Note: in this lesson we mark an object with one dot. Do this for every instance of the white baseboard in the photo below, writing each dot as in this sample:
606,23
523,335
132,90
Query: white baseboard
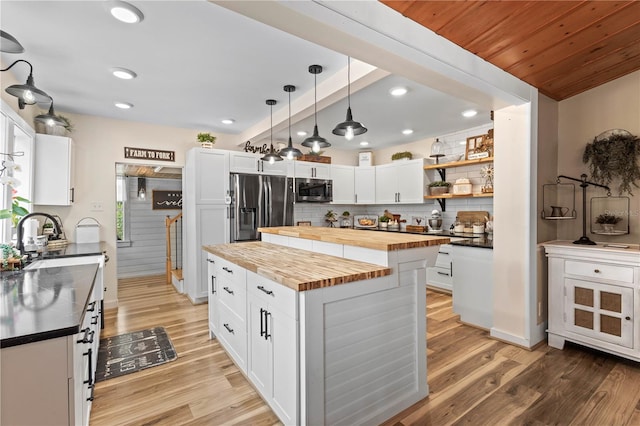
510,338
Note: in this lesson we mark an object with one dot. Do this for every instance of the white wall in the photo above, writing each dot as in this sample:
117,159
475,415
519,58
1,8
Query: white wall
614,105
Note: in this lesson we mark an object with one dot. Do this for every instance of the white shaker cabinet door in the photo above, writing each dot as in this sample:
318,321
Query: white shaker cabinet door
343,184
365,185
53,174
208,171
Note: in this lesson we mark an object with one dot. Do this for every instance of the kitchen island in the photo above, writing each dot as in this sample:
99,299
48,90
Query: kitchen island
324,339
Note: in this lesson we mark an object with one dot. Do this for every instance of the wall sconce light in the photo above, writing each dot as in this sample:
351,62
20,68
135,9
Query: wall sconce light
9,44
50,118
28,93
142,188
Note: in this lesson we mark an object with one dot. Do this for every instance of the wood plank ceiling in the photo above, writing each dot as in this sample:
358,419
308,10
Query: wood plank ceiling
561,47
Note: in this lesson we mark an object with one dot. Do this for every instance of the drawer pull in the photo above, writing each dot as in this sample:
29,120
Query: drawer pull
261,288
262,311
266,325
229,329
227,269
92,306
443,273
597,271
94,320
443,252
211,261
227,290
213,284
627,318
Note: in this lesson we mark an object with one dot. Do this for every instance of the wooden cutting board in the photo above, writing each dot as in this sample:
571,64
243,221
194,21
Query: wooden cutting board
472,216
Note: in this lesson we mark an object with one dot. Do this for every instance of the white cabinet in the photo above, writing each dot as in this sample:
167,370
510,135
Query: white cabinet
213,307
439,275
594,297
206,215
207,176
53,175
343,184
472,294
400,182
310,170
364,185
273,345
247,162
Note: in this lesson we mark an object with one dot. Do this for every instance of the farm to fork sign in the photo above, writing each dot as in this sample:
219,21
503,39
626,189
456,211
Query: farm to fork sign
149,154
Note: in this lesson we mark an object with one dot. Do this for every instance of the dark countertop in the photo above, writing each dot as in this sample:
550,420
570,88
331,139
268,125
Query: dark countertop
45,303
470,240
485,241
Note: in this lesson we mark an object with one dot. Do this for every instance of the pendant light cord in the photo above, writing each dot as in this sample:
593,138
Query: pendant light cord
315,98
271,127
349,80
289,115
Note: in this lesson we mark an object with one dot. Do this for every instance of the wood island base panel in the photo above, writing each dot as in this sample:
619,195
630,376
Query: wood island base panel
323,339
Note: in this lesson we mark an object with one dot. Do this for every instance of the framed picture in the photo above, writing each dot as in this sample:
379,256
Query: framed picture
303,223
480,146
166,200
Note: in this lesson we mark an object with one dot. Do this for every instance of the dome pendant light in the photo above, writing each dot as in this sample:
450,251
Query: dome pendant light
50,118
349,128
290,152
315,142
272,156
28,93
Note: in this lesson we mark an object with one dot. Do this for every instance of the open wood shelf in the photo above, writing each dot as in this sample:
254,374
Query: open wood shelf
458,163
449,196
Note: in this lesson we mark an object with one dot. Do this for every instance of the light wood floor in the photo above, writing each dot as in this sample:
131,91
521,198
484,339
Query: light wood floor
472,378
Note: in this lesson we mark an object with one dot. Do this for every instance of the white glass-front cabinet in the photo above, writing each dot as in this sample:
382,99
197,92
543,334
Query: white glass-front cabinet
593,297
54,171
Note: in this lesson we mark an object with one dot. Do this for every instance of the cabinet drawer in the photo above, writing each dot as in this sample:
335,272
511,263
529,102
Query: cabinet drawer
599,270
233,295
231,272
233,336
278,296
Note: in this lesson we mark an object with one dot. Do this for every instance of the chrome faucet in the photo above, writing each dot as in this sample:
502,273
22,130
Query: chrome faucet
19,243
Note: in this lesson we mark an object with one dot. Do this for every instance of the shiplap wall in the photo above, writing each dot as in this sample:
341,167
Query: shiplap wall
147,253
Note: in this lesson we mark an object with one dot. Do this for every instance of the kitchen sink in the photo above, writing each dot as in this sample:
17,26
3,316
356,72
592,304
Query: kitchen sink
59,262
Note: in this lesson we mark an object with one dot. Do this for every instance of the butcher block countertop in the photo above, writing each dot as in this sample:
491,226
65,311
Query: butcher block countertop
360,238
297,269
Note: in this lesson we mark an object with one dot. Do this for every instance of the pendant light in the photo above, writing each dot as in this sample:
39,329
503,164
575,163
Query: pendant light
290,152
50,118
315,142
28,93
9,44
272,156
349,128
437,150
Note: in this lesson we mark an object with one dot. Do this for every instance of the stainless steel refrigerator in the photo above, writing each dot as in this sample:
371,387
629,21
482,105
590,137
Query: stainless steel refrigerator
259,201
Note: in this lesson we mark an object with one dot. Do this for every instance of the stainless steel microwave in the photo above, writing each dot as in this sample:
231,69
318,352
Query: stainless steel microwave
314,191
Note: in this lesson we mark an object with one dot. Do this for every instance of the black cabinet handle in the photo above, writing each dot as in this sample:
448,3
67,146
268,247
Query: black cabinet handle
229,329
92,387
627,318
443,273
261,288
266,325
211,261
444,252
262,311
73,195
227,290
227,269
89,354
94,319
213,284
92,306
85,338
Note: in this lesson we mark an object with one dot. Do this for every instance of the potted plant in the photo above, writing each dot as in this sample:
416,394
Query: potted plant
331,216
383,221
346,221
614,156
206,140
439,187
404,155
10,257
607,221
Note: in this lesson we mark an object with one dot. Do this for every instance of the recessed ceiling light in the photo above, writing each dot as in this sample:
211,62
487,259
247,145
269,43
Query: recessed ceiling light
124,105
470,113
126,12
302,133
228,121
407,131
398,91
364,143
123,73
